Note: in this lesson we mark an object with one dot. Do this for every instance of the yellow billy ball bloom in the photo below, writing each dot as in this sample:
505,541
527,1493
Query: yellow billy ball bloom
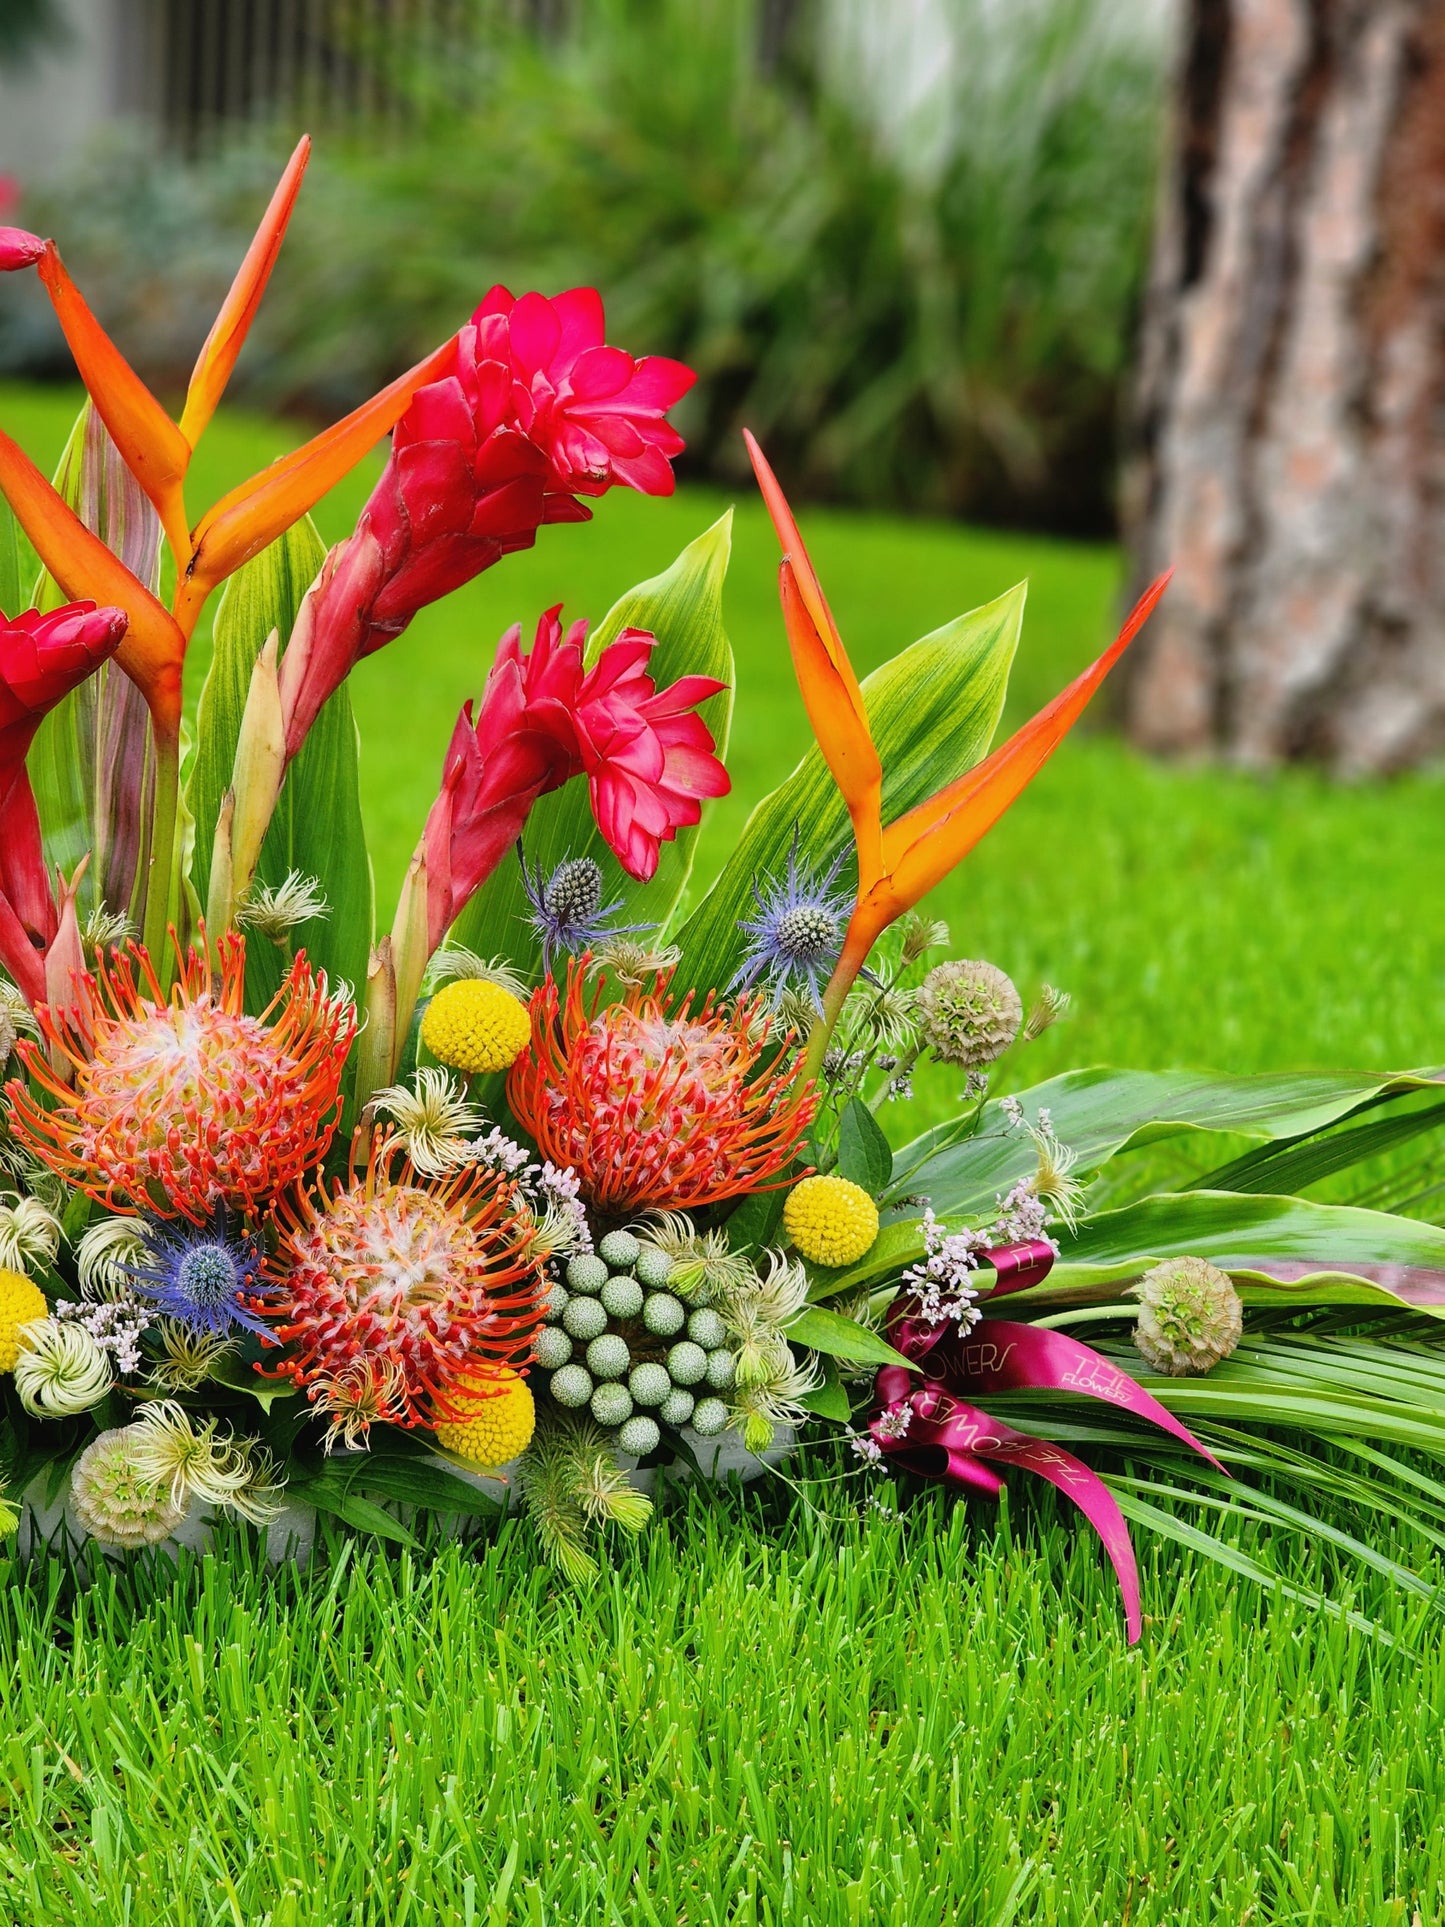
493,1425
831,1220
475,1025
21,1303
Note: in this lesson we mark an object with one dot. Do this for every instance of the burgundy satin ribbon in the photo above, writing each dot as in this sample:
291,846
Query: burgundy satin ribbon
947,1437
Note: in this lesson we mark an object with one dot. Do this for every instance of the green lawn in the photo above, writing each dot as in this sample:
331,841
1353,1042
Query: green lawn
780,1720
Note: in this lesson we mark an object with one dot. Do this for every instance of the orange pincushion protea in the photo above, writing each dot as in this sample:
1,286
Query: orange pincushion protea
658,1107
394,1288
179,1104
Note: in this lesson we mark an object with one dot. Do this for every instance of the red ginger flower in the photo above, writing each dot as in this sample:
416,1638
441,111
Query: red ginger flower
657,1108
42,658
545,718
535,411
181,1103
394,1288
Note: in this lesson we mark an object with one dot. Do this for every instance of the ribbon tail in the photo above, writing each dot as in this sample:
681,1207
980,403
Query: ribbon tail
1093,1498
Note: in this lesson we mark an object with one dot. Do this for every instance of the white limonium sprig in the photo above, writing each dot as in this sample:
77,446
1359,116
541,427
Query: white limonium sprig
117,1325
943,1281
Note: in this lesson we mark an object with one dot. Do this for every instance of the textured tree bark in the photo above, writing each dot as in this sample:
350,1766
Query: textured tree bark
1289,442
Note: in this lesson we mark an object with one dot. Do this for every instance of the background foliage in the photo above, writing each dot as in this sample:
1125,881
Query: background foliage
919,298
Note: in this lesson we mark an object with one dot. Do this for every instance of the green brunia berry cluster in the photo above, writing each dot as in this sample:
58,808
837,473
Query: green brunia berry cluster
635,1354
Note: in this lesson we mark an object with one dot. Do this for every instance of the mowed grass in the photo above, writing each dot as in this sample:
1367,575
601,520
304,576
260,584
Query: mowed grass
768,1717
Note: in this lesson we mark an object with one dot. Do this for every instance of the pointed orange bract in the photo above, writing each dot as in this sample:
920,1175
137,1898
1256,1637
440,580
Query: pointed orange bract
251,517
154,449
830,689
899,865
154,649
223,344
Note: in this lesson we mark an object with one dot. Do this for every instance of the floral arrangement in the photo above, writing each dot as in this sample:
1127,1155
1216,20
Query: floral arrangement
568,1171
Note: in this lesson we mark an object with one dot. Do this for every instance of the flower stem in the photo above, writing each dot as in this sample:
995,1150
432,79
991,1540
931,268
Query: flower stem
163,841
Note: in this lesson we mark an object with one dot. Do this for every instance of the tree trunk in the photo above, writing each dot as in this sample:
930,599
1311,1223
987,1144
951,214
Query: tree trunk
1289,457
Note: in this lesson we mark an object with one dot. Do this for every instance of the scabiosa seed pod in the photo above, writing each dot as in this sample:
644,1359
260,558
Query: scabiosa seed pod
587,1272
639,1436
611,1404
608,1356
649,1383
663,1314
709,1418
1190,1317
113,1502
584,1318
653,1268
553,1348
622,1296
620,1250
572,1386
968,1013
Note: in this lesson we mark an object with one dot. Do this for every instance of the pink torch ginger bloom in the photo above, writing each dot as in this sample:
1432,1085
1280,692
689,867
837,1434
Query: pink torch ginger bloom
536,411
543,719
42,658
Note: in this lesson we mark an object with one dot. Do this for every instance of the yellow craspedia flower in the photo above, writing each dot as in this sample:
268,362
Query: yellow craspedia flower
21,1303
474,1025
494,1426
831,1220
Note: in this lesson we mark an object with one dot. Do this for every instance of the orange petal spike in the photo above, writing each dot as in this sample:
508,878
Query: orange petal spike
154,449
847,744
153,652
251,517
223,344
922,847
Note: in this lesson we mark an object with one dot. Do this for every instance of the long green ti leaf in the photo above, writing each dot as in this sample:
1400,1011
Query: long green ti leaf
683,608
933,711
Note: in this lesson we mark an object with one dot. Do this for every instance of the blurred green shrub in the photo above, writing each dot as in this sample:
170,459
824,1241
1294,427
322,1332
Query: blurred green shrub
911,270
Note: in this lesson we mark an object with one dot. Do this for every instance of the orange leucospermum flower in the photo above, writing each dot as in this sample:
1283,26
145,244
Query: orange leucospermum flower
177,1103
658,1107
399,1292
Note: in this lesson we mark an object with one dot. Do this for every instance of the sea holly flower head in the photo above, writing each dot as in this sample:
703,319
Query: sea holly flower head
209,1278
655,1104
173,1104
797,932
568,913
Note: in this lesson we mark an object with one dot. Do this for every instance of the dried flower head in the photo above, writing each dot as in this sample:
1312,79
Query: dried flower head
274,910
177,1103
188,1356
1048,1008
29,1234
434,1120
107,1252
654,1105
634,965
115,1502
968,1013
104,929
454,963
61,1370
704,1269
1190,1317
920,935
431,1277
189,1459
772,1396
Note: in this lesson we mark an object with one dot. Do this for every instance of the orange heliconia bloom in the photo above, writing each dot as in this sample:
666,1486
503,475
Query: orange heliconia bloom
158,452
899,864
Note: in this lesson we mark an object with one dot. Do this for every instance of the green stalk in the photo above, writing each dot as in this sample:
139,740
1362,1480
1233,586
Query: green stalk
163,843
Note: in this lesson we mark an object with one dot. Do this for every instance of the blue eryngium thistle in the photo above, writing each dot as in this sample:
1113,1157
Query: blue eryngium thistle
797,933
568,913
202,1275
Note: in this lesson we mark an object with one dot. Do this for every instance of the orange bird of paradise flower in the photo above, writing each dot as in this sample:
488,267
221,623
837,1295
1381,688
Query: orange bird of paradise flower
158,451
900,862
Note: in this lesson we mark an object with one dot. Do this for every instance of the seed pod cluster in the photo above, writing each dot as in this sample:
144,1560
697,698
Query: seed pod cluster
631,1350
